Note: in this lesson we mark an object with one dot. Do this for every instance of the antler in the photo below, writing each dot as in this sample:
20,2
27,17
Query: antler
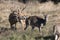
23,8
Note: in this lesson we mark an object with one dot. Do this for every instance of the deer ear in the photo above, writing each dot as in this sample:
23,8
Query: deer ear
47,17
18,10
43,13
11,9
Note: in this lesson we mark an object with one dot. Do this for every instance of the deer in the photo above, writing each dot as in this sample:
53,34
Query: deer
15,17
35,21
56,31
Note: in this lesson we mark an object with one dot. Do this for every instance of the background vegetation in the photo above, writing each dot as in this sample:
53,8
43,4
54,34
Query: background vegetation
32,8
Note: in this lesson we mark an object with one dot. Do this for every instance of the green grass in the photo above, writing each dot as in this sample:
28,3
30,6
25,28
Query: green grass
25,35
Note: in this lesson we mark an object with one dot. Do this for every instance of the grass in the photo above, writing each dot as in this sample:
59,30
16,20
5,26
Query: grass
26,35
31,9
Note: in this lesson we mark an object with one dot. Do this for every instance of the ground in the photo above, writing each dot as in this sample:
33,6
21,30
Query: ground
32,8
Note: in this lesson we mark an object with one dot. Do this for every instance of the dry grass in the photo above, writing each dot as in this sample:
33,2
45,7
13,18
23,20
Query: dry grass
31,9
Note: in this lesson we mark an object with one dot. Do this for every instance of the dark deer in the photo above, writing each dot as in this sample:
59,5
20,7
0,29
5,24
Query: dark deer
35,21
56,30
14,17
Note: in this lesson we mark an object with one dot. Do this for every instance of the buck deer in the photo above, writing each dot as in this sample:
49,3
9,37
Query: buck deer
15,17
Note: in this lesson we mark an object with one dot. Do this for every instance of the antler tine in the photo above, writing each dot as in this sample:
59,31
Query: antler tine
11,9
23,8
18,10
43,13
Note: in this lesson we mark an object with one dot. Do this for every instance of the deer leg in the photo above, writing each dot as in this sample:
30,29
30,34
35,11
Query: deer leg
19,21
26,27
39,28
33,28
15,26
56,37
11,25
26,22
